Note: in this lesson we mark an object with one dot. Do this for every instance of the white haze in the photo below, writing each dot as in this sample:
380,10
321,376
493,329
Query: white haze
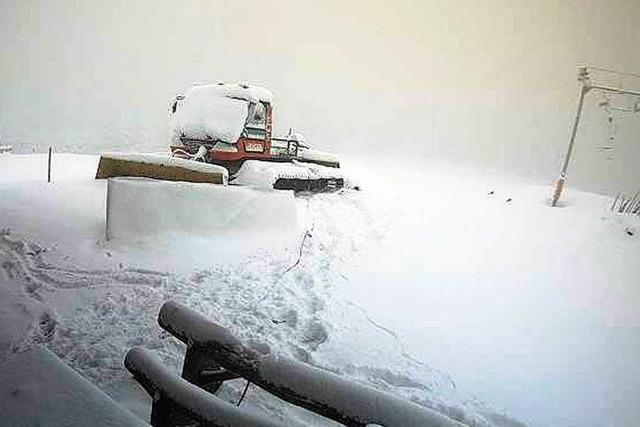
490,83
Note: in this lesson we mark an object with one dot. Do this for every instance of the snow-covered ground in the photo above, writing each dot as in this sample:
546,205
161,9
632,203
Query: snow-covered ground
462,291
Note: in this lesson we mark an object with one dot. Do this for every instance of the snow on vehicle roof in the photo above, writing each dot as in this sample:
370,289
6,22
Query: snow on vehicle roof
233,90
217,112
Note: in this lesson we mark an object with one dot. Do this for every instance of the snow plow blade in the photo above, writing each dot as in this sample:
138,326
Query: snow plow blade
157,166
311,185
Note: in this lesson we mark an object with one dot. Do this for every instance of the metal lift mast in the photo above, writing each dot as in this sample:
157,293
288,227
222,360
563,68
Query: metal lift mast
586,86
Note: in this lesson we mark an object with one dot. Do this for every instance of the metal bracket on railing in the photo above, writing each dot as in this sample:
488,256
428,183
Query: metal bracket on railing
200,369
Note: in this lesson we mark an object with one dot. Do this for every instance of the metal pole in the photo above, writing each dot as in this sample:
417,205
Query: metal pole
49,166
584,89
615,90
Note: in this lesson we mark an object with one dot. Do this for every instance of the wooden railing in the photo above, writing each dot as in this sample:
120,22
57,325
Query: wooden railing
214,355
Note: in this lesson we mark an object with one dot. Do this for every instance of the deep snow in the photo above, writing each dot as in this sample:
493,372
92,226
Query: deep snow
429,269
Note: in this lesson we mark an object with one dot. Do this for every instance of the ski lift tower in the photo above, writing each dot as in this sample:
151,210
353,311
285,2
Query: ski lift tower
587,85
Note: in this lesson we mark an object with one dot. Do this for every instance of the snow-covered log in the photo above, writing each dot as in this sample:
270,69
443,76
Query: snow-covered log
319,391
171,390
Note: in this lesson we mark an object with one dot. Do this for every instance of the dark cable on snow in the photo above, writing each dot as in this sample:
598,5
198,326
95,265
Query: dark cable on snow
294,265
244,392
307,234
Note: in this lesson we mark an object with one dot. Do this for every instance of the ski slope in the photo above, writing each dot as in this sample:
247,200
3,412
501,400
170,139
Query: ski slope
461,291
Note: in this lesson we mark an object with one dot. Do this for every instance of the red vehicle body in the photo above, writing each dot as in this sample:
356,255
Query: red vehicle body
251,111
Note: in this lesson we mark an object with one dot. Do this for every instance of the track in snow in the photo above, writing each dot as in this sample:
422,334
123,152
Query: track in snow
92,317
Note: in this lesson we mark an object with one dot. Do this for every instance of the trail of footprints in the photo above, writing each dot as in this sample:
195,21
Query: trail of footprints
25,260
289,316
23,263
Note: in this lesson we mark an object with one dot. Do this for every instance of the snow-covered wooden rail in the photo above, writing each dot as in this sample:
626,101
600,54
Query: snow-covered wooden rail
317,390
176,400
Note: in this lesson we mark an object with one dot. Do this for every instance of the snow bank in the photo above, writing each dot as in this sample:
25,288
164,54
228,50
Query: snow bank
139,207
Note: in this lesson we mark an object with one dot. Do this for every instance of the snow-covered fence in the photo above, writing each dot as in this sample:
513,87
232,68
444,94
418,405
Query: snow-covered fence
179,402
317,390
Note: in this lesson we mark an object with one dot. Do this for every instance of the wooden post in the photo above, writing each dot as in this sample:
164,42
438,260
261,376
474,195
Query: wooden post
49,166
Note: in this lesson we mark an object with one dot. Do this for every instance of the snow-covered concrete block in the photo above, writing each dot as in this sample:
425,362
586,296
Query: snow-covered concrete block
138,208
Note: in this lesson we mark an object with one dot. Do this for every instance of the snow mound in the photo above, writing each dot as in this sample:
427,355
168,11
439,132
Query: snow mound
261,174
142,207
165,159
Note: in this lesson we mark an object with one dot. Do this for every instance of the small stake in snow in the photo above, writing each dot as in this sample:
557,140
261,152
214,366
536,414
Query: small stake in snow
49,166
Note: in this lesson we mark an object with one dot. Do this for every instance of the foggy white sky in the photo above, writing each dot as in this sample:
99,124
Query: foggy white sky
486,82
